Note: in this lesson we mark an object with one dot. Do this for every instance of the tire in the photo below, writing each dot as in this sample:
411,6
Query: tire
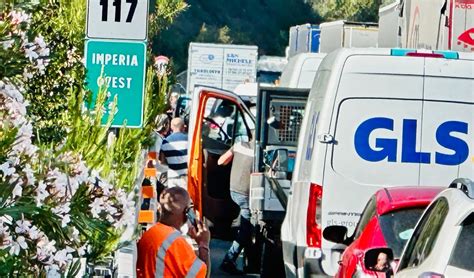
252,255
272,257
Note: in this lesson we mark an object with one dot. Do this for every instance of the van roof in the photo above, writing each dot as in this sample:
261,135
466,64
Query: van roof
389,51
340,55
396,198
293,69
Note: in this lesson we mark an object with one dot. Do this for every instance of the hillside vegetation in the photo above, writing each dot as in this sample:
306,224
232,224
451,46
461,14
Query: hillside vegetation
264,23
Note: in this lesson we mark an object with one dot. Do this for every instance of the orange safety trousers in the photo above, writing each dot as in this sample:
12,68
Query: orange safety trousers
163,252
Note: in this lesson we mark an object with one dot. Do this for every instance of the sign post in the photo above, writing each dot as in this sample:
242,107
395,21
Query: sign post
116,56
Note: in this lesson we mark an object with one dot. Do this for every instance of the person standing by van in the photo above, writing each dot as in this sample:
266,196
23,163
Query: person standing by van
174,152
160,132
241,155
163,251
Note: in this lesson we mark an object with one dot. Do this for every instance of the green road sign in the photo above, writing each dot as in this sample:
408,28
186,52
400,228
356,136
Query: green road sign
124,65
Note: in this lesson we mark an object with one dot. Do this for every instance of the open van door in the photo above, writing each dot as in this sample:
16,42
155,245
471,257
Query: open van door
218,119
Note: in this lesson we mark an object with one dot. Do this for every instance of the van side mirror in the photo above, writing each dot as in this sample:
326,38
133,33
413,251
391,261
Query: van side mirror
379,259
336,234
279,161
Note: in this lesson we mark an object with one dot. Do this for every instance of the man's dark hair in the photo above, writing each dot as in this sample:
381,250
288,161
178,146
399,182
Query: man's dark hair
165,201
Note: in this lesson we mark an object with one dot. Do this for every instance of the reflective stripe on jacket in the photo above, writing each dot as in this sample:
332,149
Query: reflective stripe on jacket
163,252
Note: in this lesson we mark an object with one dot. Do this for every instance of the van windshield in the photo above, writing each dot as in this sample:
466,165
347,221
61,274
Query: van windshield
397,227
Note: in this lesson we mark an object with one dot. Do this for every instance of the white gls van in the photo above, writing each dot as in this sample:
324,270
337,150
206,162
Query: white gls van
300,70
374,118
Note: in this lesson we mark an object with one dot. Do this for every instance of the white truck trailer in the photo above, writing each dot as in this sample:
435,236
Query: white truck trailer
388,25
342,33
437,24
303,39
222,66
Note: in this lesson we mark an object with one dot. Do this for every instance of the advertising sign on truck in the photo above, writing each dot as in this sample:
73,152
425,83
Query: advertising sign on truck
221,66
437,24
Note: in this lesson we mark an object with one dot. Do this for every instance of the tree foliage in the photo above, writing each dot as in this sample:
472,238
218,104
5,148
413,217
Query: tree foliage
264,23
42,81
354,10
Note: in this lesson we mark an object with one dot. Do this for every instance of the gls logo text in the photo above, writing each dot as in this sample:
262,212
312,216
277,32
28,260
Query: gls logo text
387,147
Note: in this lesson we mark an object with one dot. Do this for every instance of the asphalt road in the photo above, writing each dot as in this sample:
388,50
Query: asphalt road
218,250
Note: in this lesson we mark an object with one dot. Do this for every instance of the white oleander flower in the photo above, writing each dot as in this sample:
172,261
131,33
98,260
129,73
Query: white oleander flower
6,169
29,174
34,233
45,250
22,226
39,40
59,182
66,219
27,75
63,257
17,191
17,245
7,44
81,251
44,52
40,66
41,193
30,52
19,17
75,234
97,207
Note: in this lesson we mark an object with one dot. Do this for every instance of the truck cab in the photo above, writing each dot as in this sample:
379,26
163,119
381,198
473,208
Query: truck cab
218,120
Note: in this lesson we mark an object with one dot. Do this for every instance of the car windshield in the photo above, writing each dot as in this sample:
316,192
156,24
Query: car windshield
397,227
463,250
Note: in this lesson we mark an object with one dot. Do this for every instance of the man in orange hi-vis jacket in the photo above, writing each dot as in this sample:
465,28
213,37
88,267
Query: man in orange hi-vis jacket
163,251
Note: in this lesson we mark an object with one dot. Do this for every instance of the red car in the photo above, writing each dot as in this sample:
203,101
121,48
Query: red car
387,221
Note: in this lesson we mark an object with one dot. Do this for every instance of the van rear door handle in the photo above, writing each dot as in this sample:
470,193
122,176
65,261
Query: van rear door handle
326,138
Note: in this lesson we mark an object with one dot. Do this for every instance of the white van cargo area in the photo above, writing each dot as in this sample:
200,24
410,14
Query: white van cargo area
374,118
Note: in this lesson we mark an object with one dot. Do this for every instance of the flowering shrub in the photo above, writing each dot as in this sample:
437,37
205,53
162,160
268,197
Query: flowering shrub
66,181
52,206
51,203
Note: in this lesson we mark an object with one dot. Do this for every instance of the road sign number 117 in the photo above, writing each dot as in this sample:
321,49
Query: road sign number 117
118,9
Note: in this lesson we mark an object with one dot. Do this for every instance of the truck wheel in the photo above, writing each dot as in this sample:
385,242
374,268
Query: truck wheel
252,256
272,260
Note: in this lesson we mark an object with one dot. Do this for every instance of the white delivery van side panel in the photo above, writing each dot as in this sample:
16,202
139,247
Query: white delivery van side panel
374,94
321,100
310,152
448,139
313,152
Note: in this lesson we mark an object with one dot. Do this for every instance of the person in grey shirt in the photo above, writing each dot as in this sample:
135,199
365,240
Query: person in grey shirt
241,155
